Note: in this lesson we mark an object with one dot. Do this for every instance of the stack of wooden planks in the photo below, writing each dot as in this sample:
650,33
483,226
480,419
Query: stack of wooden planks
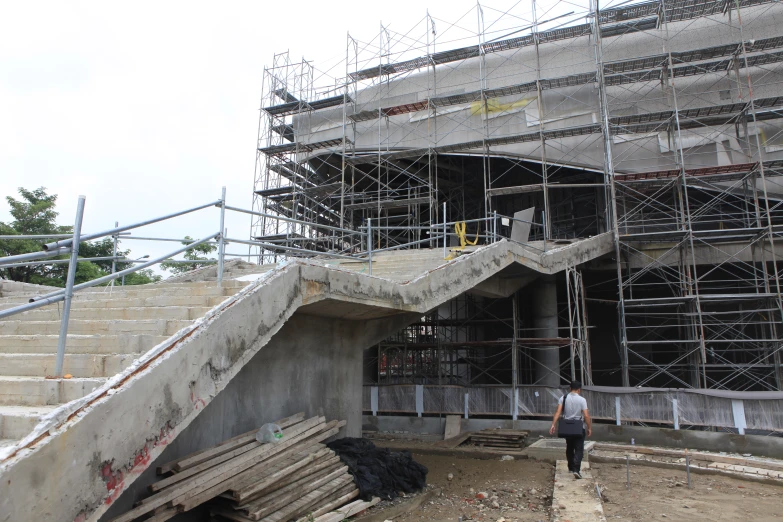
497,438
294,478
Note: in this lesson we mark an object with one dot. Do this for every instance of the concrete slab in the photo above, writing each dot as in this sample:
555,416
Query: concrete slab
575,500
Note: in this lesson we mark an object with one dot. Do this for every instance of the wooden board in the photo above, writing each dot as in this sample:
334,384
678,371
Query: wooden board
225,446
279,499
453,426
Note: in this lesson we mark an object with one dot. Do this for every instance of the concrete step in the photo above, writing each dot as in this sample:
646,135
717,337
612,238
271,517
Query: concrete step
80,365
147,312
76,343
230,287
95,327
38,391
17,421
128,302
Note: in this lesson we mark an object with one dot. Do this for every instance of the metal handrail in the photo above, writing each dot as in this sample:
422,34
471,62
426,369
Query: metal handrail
67,242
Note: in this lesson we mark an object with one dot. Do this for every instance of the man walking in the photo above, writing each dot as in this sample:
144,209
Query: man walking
575,409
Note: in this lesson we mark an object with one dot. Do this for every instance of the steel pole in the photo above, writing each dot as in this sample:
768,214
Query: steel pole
77,232
114,252
445,234
369,245
221,239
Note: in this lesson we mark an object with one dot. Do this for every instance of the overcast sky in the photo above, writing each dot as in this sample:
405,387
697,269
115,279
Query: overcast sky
150,107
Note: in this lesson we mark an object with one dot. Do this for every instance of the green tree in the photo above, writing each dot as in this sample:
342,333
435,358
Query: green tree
197,253
34,213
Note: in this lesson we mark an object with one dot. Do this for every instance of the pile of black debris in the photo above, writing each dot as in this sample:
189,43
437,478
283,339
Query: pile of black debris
379,472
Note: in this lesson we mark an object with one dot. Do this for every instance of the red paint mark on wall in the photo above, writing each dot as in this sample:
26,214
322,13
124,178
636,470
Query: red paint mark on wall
115,479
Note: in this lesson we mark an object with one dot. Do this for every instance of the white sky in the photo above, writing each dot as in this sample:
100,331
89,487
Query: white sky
151,107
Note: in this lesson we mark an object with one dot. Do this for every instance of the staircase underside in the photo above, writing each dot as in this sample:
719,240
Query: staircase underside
100,443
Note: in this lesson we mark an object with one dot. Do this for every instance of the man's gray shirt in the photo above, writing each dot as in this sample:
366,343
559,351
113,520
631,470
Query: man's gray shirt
573,407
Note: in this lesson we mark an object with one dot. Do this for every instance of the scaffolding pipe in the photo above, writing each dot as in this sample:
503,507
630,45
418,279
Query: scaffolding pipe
222,237
68,295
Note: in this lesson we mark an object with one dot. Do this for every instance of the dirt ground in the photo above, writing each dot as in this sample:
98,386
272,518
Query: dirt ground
517,491
657,494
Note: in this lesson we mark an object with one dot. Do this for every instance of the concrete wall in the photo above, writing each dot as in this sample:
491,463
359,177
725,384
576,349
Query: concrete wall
668,438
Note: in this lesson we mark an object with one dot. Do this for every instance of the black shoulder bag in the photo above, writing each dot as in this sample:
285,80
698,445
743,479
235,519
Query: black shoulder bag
568,428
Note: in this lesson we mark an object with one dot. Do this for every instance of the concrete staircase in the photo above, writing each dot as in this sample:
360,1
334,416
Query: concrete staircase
109,329
156,356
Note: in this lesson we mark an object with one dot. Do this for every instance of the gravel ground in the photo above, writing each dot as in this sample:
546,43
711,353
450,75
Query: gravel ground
485,490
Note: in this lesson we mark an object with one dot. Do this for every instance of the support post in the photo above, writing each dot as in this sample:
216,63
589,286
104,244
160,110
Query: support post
369,246
445,233
467,395
419,399
374,400
114,252
221,239
617,410
738,409
77,232
675,414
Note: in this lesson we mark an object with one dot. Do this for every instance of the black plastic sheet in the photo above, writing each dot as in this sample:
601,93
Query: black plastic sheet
379,472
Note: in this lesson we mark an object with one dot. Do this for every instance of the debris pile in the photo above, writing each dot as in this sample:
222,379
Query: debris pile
296,478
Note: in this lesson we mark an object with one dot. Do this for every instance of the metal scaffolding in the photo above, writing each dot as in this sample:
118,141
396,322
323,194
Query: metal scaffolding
657,121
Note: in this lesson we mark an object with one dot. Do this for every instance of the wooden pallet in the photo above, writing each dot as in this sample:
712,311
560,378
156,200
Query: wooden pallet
497,438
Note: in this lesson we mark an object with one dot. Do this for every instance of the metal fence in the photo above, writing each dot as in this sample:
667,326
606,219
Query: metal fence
674,407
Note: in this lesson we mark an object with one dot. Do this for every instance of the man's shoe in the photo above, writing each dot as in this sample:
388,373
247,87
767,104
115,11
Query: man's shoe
577,475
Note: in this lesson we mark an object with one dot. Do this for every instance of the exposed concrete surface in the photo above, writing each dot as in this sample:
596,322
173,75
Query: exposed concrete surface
101,443
667,438
575,500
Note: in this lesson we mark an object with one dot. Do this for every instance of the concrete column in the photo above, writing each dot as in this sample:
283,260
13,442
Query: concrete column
545,324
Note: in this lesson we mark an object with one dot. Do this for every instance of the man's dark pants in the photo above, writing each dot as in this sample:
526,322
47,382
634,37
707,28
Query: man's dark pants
575,448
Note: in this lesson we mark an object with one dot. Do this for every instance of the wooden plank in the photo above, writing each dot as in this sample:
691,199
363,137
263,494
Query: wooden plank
198,483
279,499
291,510
321,466
228,514
266,468
163,515
357,507
228,480
453,426
252,502
260,485
323,514
260,502
317,505
250,436
454,441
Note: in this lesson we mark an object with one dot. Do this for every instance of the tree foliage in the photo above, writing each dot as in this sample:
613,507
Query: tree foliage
34,214
197,253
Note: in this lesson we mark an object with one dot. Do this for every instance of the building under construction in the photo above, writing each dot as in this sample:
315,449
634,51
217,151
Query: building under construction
658,122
